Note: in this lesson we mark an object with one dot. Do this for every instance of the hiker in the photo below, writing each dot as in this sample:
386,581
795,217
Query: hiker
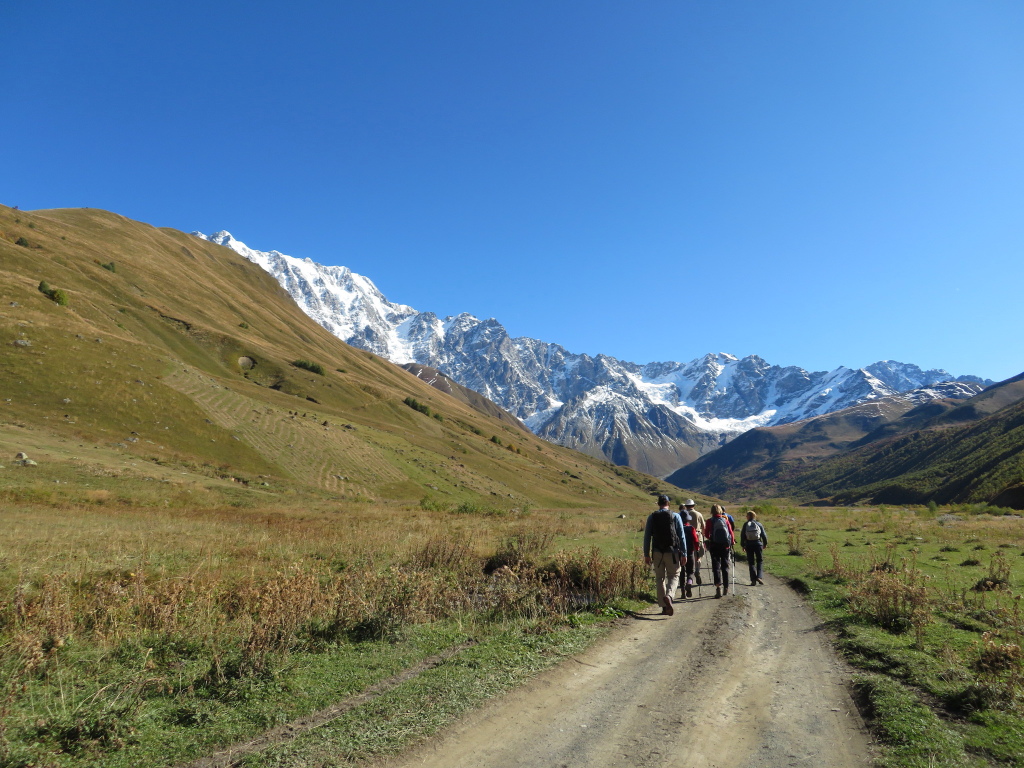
719,538
754,541
693,545
688,508
665,549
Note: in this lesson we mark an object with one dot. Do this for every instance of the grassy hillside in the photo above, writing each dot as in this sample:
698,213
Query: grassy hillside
883,452
757,463
974,463
150,348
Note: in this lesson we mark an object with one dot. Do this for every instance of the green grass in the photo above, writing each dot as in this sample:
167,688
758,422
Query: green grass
424,705
155,729
929,691
914,736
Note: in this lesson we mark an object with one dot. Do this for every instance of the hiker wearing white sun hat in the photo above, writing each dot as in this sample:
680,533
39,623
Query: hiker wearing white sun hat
697,519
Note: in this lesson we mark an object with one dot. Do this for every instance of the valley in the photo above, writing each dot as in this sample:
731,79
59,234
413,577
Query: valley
221,519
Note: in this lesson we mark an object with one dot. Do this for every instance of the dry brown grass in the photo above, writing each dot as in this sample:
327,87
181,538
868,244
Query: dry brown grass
245,588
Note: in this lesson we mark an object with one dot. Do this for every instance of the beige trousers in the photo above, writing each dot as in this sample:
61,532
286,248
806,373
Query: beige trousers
666,574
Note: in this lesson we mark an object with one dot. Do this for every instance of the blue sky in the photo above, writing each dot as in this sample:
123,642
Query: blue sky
819,183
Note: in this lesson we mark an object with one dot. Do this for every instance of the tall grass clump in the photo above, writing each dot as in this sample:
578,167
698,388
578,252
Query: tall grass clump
312,367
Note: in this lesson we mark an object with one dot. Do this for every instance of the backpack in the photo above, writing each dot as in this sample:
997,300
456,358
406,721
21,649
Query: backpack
751,531
664,536
693,543
720,532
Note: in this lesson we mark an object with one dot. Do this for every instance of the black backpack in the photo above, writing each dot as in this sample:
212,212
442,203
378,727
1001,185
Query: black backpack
664,536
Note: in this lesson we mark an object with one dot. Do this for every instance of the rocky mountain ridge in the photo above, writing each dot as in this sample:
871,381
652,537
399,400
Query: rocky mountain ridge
655,417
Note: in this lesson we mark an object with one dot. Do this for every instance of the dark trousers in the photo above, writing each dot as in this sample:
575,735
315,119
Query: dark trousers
687,573
754,560
719,563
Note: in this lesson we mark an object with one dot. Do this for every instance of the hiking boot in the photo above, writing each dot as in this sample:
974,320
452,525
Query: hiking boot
760,582
718,591
753,583
689,591
669,610
725,591
698,579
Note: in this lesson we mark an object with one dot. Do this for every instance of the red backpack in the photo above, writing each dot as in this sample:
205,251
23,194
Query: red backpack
692,542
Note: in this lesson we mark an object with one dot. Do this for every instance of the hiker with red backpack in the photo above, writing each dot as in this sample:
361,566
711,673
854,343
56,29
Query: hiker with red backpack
719,538
689,508
665,549
693,545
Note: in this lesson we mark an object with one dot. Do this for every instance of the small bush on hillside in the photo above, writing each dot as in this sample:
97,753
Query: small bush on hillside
109,266
22,242
416,405
243,325
306,365
432,504
54,294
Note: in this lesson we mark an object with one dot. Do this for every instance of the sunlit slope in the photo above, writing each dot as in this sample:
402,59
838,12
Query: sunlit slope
953,460
175,350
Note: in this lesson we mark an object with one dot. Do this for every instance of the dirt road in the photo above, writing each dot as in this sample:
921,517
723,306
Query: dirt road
747,681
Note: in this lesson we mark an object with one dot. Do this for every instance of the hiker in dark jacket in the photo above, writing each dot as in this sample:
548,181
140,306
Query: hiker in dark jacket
719,538
754,541
665,549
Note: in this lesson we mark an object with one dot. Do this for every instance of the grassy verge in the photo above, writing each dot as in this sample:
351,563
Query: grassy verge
927,604
432,700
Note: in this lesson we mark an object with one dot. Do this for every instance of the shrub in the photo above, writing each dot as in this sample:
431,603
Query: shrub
519,550
432,504
22,242
896,600
306,365
416,405
54,294
109,266
243,325
448,553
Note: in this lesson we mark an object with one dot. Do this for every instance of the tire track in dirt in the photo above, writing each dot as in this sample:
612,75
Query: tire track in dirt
748,681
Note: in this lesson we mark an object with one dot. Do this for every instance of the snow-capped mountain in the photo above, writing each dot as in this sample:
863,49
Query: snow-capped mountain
654,417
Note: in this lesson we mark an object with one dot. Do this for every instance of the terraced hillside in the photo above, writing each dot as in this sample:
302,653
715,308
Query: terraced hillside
121,339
